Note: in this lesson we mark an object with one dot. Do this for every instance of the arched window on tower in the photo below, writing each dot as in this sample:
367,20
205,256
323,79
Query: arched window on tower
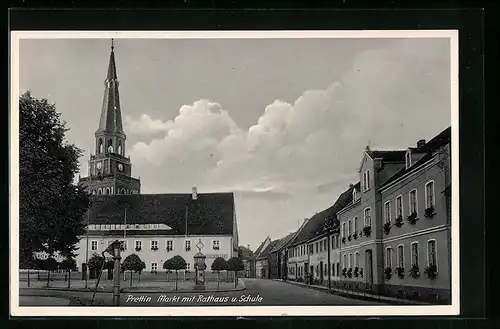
99,147
120,148
99,191
108,191
110,146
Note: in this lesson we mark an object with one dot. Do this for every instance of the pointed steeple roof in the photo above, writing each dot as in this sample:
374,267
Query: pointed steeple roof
111,117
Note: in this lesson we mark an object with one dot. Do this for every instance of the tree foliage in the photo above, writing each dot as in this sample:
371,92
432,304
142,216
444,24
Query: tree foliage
133,263
68,264
51,207
219,264
175,263
95,262
235,264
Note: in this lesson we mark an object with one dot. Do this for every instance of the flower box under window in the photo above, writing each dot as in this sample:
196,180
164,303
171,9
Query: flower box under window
431,271
400,271
388,273
414,271
429,212
138,248
412,218
367,231
398,221
387,227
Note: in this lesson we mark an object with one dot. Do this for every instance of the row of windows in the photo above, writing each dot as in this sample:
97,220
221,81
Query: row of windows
415,253
154,267
350,227
430,201
124,226
109,190
318,247
169,245
110,148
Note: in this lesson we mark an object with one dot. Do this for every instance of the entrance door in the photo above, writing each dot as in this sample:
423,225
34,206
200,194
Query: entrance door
369,266
321,272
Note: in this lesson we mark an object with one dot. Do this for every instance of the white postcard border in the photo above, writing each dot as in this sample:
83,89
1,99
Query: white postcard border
406,310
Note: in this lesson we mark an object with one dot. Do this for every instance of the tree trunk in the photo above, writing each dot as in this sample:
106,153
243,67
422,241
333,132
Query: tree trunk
218,273
235,279
69,278
28,277
130,278
176,277
38,275
48,278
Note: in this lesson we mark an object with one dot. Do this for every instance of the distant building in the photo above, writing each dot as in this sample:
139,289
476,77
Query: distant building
262,267
258,251
278,257
246,256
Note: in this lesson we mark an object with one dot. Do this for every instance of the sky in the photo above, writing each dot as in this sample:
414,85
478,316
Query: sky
282,123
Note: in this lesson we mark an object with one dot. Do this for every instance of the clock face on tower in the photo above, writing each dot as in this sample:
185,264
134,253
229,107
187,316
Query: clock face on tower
99,166
120,167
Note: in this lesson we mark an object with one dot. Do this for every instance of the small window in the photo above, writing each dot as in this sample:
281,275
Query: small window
399,206
356,259
344,232
317,247
154,245
170,245
388,257
154,267
408,159
401,256
349,228
94,245
431,253
124,245
355,224
345,261
215,245
414,254
138,245
429,195
368,217
387,211
413,202
368,180
350,261
188,245
338,268
188,267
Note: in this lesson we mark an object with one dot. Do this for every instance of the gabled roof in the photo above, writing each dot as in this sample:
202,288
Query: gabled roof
429,148
283,242
211,213
245,252
259,249
267,250
324,219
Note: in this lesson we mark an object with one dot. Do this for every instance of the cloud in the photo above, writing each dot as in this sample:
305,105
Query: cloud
390,96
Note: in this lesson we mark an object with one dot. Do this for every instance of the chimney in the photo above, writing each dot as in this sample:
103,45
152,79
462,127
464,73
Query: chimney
351,185
248,247
195,193
420,143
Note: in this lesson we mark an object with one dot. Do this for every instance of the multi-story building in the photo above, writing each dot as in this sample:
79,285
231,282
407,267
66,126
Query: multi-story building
396,217
297,253
156,227
277,257
253,260
263,262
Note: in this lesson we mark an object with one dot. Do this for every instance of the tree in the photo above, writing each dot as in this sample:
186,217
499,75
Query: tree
69,265
175,263
218,265
50,265
51,207
235,264
95,265
39,265
133,263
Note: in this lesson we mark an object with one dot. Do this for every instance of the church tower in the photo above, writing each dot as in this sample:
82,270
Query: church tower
109,170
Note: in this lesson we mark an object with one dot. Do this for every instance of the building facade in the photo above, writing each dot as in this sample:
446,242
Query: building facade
398,222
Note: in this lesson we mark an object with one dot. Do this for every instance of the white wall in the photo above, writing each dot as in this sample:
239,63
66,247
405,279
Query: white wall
161,255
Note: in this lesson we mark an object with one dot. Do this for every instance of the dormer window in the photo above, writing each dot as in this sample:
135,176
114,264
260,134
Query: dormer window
353,195
408,159
366,180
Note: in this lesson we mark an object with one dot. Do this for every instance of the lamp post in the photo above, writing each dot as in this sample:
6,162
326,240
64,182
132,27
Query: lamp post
117,245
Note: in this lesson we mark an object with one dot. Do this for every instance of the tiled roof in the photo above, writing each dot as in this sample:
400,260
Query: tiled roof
267,250
433,145
283,242
321,220
211,213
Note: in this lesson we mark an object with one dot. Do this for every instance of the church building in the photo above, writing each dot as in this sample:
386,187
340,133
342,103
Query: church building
156,227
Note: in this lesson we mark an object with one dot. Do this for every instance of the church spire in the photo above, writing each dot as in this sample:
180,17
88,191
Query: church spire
111,117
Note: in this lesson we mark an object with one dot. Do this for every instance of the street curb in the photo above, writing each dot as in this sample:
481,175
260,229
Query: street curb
359,297
241,286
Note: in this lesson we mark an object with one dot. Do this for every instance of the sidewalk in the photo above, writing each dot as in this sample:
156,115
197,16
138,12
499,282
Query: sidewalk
356,294
137,286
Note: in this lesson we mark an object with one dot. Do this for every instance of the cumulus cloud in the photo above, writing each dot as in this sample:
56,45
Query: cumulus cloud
389,98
